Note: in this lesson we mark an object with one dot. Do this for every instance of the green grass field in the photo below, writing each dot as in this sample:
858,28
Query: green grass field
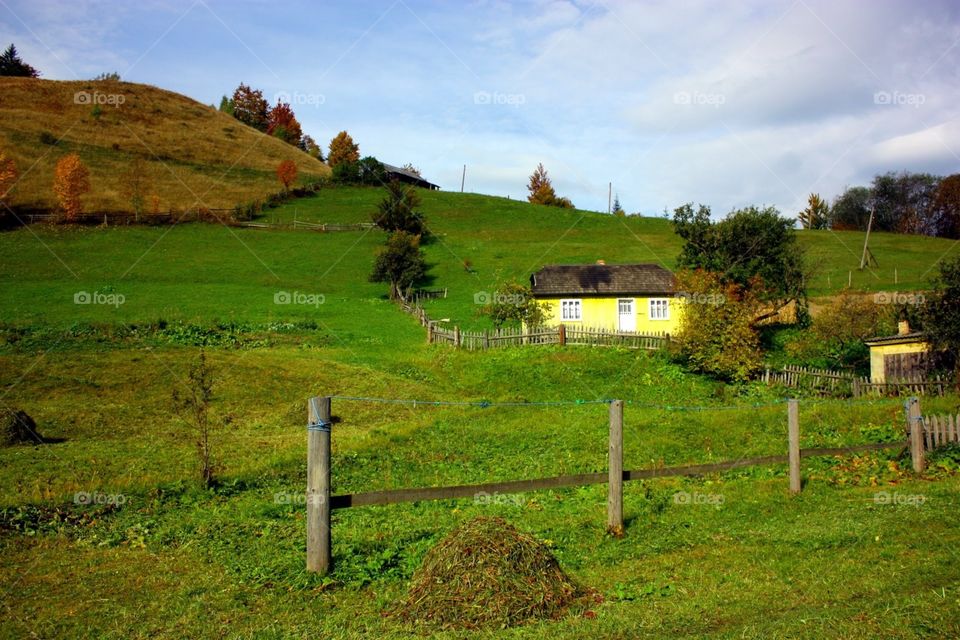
177,561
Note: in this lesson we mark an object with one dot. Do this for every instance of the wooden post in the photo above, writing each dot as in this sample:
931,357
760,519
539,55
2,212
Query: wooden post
793,451
456,336
916,435
318,486
429,333
562,334
615,480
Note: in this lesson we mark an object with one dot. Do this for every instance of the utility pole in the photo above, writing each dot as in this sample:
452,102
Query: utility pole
868,259
463,178
609,196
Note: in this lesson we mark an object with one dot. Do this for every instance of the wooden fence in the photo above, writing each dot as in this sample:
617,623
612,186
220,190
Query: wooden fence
523,336
320,503
561,335
836,383
300,225
941,430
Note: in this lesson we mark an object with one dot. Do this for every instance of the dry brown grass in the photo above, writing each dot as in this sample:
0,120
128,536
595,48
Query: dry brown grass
195,155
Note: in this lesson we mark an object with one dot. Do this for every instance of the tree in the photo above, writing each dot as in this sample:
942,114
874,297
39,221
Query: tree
542,192
946,207
71,181
540,187
752,248
309,146
227,105
816,214
851,209
346,173
193,404
287,173
371,171
250,107
412,169
283,124
400,262
12,65
941,314
513,302
398,210
903,202
718,337
107,76
8,178
617,209
135,184
342,149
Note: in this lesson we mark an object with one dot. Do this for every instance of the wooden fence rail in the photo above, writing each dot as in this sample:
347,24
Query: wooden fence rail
837,383
319,471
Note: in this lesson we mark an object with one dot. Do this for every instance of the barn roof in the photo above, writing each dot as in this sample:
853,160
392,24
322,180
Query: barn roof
601,280
410,176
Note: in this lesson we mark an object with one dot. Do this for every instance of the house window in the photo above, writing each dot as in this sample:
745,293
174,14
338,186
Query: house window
570,310
660,309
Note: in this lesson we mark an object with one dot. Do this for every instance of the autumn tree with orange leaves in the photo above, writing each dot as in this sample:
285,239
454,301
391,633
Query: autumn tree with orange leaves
287,173
71,180
283,124
8,177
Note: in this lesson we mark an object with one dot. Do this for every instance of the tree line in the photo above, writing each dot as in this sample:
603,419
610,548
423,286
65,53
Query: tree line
904,202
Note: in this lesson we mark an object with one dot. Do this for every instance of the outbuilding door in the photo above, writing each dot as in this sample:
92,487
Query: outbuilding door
626,314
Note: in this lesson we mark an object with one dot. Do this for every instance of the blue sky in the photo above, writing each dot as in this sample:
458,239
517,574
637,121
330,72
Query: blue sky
728,104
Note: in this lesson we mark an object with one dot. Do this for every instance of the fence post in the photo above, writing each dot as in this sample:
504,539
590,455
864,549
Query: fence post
456,337
562,335
793,437
615,480
916,434
429,333
318,485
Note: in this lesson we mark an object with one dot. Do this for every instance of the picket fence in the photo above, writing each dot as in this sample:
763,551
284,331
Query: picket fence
941,430
827,382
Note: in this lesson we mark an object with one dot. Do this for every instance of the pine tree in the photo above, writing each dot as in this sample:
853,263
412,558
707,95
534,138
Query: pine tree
12,65
816,214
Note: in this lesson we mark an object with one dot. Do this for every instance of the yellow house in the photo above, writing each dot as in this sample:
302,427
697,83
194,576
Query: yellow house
898,357
637,298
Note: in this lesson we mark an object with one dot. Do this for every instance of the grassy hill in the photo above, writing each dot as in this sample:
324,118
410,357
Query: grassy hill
196,156
206,273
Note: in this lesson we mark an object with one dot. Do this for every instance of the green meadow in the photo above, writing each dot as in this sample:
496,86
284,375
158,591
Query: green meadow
868,549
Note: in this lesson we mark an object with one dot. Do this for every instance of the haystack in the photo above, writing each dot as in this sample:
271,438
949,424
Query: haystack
17,427
486,573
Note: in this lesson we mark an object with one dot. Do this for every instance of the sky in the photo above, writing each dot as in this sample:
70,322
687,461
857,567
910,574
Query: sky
729,104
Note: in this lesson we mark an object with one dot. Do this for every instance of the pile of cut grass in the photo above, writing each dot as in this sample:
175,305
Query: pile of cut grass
487,574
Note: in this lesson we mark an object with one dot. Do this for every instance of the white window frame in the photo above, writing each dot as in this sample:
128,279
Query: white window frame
575,306
659,309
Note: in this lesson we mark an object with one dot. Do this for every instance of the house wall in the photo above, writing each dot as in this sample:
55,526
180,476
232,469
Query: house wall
602,313
878,371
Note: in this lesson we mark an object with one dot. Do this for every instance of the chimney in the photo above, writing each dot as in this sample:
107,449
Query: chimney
903,327
601,262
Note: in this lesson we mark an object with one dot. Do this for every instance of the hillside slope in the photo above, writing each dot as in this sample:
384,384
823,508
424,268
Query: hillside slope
196,155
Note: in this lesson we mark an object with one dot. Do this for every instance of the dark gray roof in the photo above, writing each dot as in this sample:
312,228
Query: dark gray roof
408,174
602,279
902,338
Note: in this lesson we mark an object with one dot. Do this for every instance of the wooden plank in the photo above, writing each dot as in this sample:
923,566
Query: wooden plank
916,435
793,448
319,558
615,471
